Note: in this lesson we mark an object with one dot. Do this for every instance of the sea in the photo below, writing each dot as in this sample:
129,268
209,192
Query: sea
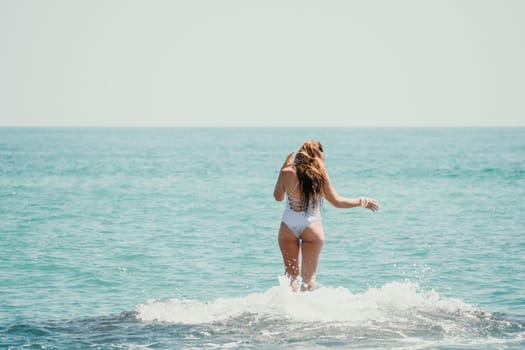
166,238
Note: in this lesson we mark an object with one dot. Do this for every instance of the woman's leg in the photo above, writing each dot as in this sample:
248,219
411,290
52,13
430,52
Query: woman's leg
289,245
312,242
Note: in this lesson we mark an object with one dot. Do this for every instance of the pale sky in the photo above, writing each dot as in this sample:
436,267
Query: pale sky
262,63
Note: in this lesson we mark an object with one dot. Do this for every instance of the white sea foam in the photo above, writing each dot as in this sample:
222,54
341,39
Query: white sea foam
395,302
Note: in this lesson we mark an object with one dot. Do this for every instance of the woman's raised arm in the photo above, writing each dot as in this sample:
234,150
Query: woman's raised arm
342,202
279,190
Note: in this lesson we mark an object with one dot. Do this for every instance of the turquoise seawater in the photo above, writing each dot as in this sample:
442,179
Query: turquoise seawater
146,238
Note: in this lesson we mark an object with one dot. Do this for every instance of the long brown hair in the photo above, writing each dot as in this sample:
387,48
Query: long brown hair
311,172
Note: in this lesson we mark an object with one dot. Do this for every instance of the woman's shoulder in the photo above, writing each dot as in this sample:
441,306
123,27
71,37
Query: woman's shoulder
288,170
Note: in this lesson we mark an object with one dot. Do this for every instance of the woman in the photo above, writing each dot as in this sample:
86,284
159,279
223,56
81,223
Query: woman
305,182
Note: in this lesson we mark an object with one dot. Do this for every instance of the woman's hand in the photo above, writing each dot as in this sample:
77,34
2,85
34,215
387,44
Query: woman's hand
289,161
369,203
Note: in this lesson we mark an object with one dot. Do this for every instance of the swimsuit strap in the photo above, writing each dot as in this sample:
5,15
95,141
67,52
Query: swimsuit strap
295,203
297,183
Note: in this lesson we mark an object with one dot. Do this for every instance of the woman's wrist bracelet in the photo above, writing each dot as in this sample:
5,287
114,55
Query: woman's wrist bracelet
363,202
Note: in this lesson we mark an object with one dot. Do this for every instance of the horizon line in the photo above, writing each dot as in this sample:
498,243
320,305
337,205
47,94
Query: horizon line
261,126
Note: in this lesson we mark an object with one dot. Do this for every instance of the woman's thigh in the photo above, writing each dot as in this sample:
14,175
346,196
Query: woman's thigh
311,245
289,245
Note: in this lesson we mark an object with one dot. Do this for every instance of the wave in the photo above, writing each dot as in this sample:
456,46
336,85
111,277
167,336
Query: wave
394,300
398,314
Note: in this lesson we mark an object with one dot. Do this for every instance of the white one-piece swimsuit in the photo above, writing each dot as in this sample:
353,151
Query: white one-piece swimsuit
298,221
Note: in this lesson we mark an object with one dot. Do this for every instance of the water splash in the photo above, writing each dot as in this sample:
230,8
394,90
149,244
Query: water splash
326,304
398,314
